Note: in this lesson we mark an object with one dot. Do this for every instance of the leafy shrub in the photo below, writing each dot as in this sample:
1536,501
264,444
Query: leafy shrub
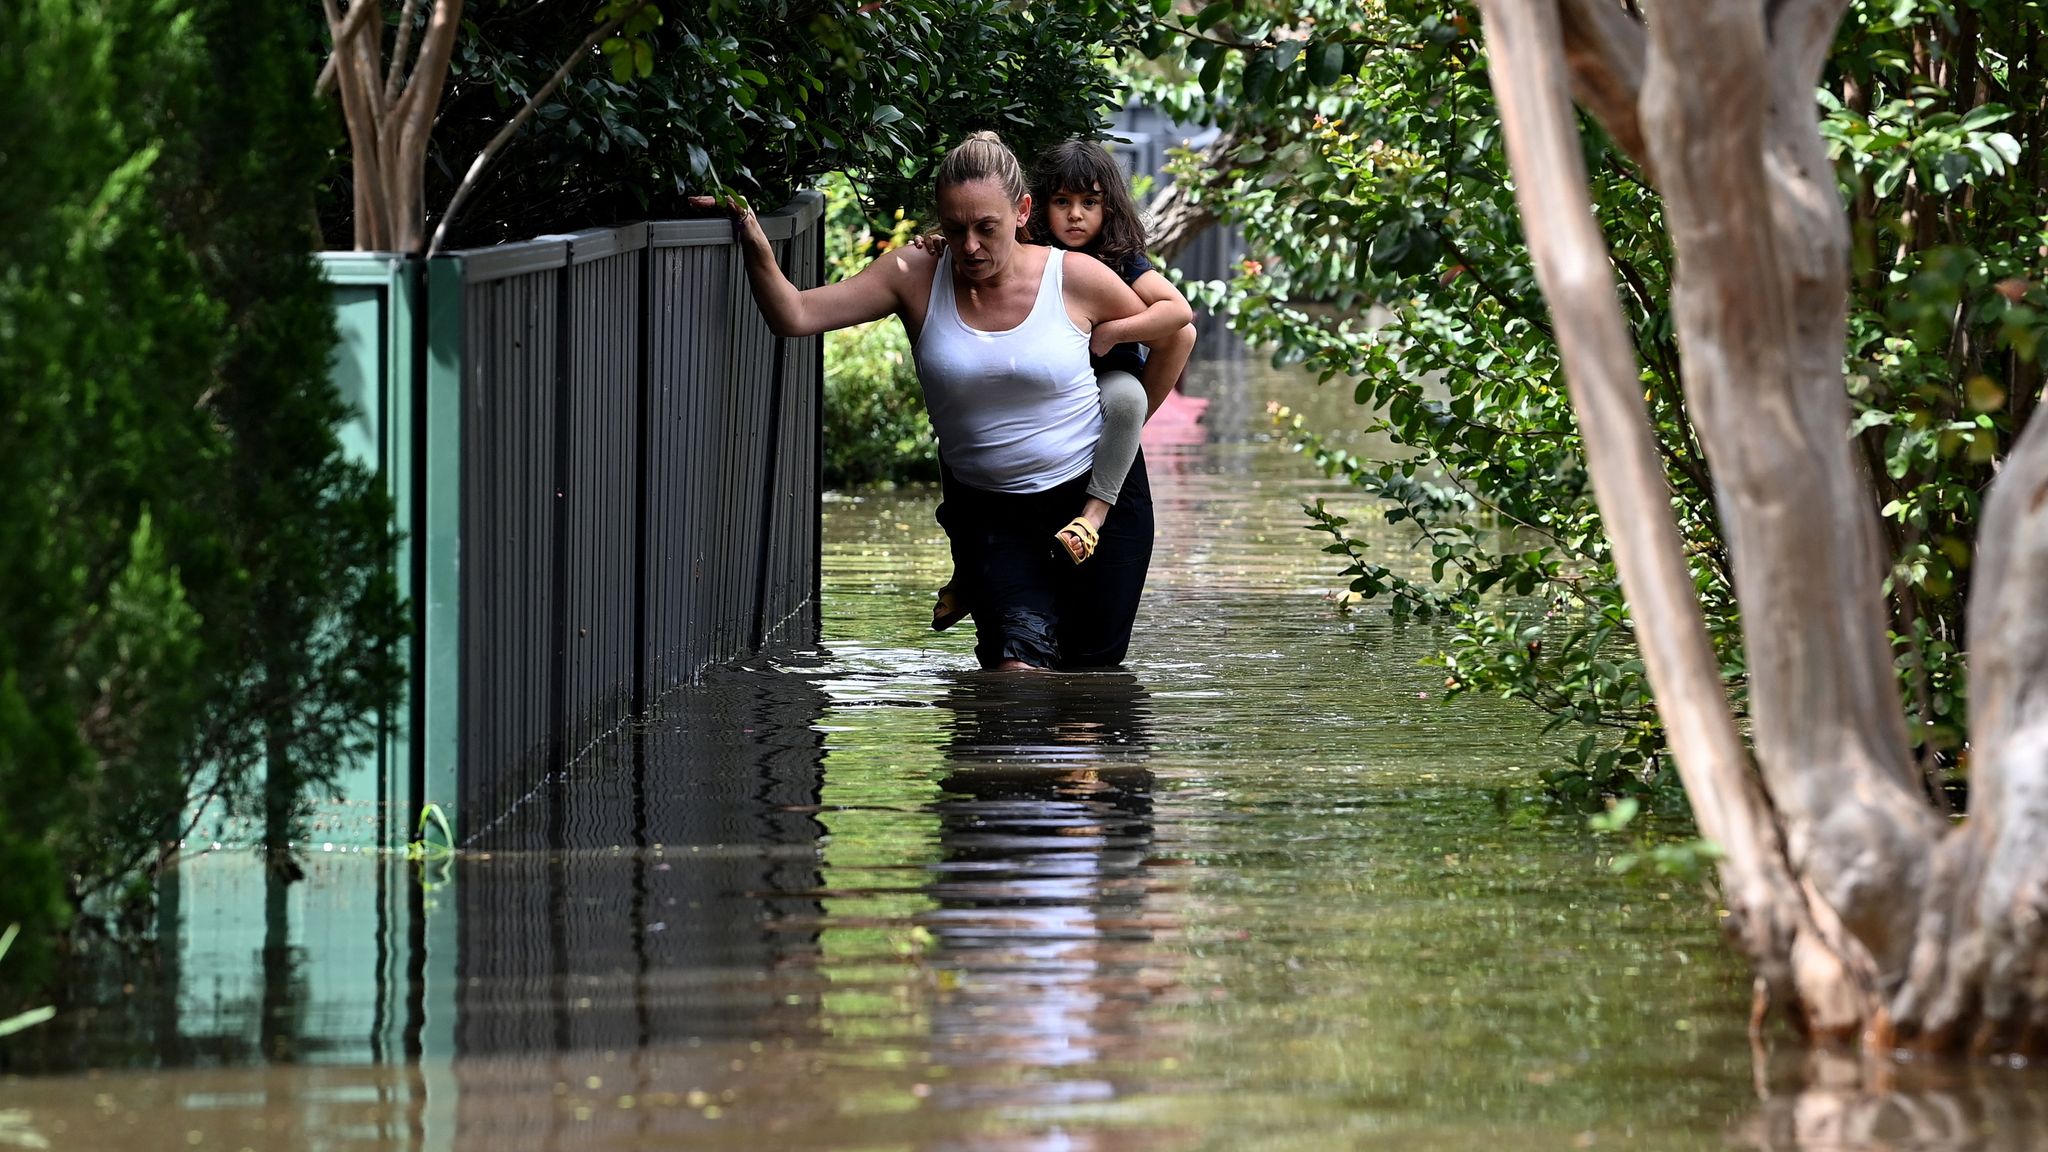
193,599
875,423
1362,151
763,96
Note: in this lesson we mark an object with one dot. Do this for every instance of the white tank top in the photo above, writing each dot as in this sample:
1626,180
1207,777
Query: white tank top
1015,411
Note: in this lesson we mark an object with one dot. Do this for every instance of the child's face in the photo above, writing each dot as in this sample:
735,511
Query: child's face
1075,217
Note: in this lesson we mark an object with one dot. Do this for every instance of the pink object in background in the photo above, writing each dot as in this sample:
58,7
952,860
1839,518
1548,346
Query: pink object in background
1178,422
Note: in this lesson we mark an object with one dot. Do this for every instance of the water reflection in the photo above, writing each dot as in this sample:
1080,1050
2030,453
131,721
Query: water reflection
619,908
1828,1100
1045,927
1257,895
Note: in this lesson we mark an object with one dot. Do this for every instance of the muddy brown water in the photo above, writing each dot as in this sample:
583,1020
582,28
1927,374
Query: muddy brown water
1263,889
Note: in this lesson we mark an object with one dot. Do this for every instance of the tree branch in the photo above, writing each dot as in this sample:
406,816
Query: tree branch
423,87
1802,32
1515,305
1525,45
394,81
358,16
1606,48
366,126
505,134
413,117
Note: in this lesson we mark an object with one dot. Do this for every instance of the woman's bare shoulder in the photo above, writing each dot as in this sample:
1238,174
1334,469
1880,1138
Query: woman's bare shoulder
908,263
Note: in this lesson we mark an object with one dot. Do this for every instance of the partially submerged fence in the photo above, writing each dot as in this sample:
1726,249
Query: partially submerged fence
606,471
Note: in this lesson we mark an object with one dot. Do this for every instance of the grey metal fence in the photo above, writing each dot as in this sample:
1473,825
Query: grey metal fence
613,478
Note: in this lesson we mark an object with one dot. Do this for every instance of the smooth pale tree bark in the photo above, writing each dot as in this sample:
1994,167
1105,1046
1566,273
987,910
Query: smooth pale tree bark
1767,911
1982,952
390,114
1860,910
390,110
1760,298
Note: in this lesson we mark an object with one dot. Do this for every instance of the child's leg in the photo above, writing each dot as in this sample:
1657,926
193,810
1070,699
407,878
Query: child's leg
1124,409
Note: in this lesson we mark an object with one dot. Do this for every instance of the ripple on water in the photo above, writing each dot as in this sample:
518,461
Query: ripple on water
1262,889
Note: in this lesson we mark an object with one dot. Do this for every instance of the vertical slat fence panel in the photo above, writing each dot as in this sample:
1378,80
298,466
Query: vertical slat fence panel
511,394
600,489
617,487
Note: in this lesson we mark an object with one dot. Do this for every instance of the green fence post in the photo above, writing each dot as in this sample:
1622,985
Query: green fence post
375,300
441,649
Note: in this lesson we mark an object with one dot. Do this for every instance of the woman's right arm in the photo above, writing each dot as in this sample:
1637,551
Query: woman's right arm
874,292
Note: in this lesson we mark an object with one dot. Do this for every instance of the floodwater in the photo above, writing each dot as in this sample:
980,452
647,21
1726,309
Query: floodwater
1264,889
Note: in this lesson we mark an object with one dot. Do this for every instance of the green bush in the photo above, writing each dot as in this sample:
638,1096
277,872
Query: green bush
1377,176
193,597
763,96
876,429
875,423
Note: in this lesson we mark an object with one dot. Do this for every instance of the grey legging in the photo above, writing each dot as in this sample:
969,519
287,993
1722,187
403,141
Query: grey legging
1124,408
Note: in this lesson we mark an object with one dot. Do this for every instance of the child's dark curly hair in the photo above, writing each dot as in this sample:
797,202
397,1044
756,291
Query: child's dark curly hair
1084,166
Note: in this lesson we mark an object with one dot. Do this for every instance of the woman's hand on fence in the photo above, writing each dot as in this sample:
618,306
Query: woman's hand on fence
733,204
745,226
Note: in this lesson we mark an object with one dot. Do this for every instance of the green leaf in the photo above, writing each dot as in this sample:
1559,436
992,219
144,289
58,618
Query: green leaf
1984,116
1326,64
1260,71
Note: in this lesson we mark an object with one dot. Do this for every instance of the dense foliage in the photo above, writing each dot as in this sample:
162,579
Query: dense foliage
192,597
761,96
876,428
1360,142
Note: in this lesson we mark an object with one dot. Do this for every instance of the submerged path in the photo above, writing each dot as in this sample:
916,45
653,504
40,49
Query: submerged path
1264,890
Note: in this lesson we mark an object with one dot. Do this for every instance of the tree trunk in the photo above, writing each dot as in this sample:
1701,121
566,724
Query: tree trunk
1980,968
1859,909
1760,299
389,121
1178,213
1769,918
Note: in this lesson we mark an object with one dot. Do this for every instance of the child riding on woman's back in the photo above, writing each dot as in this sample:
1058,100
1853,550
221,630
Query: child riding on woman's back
1081,202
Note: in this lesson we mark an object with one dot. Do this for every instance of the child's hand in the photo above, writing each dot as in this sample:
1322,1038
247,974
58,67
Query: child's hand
930,242
1103,339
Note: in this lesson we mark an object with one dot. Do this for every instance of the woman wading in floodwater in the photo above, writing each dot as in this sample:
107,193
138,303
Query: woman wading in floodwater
1001,332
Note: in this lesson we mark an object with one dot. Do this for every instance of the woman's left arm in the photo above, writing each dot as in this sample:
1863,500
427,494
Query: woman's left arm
1166,312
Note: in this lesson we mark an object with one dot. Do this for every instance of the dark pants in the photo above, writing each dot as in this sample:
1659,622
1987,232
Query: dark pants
1029,602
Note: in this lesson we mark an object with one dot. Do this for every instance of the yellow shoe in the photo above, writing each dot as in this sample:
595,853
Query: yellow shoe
1077,540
